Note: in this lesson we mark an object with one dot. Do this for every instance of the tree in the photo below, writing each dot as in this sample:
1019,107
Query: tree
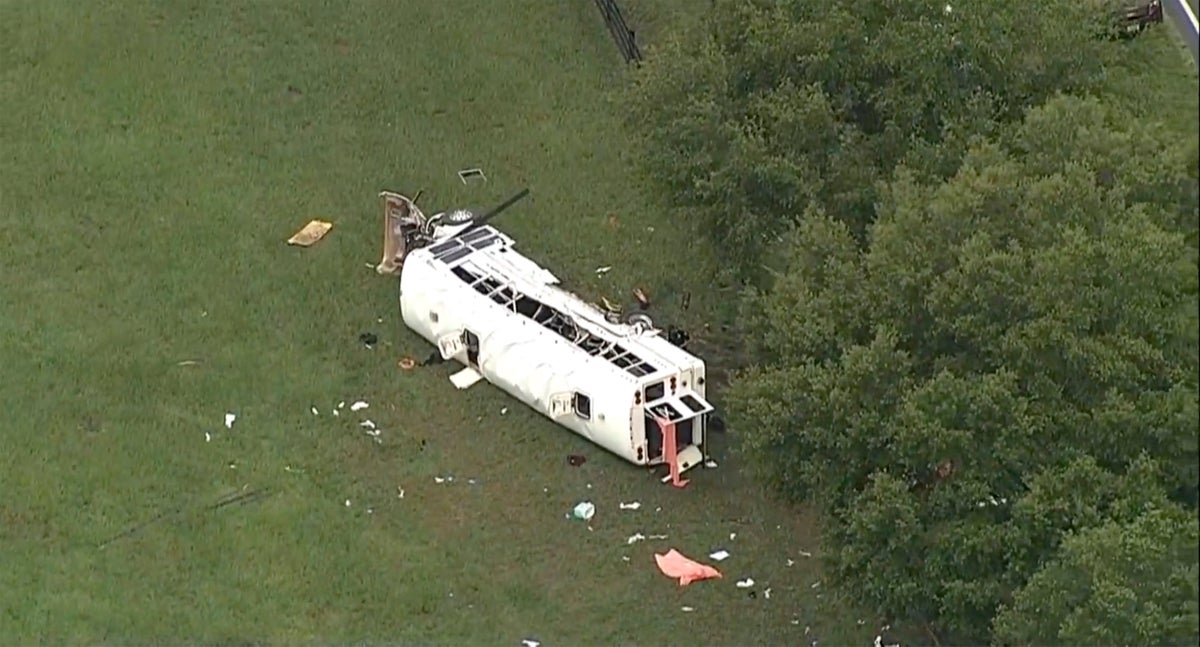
771,107
1132,583
1011,358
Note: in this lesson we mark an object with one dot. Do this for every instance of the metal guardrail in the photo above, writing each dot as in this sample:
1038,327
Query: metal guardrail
1184,19
624,36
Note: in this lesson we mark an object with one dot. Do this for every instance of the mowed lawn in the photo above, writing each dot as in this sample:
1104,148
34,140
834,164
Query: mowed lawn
154,157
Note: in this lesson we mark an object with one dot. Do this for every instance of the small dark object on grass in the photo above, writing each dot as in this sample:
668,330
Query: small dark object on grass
716,423
753,595
434,358
575,460
368,339
678,336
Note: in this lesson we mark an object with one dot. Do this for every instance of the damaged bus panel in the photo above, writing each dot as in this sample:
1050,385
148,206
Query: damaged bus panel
467,290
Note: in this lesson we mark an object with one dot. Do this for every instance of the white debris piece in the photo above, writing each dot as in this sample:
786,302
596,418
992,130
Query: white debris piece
367,424
631,506
503,410
710,464
530,643
767,593
791,562
720,555
746,583
686,609
207,437
359,406
347,503
229,418
635,538
342,405
805,553
603,270
732,536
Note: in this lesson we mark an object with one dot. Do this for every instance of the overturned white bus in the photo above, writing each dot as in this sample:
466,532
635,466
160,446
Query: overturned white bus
465,289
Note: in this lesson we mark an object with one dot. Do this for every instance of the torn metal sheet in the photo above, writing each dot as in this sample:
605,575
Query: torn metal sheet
465,378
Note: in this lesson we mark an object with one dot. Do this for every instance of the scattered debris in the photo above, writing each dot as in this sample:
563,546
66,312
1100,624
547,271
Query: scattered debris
439,480
207,437
342,404
335,412
643,299
657,537
631,506
746,583
719,556
314,231
603,270
294,470
791,562
314,411
805,553
368,424
359,406
471,174
528,642
710,464
732,536
575,460
635,538
678,336
767,593
187,362
399,492
465,378
686,609
673,564
503,410
368,339
407,363
229,419
584,511
347,503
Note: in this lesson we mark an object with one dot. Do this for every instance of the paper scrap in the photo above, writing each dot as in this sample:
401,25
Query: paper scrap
631,506
767,593
207,437
342,404
635,538
359,406
603,270
687,609
746,583
314,411
720,555
229,418
530,643
367,424
312,232
347,503
732,536
710,464
465,378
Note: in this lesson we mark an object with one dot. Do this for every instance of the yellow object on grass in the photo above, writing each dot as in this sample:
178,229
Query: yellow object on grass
312,232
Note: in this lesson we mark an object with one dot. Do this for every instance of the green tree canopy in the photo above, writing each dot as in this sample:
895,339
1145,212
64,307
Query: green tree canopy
1012,357
1118,583
771,107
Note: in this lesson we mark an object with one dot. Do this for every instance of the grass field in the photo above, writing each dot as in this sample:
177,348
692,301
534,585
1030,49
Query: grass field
155,156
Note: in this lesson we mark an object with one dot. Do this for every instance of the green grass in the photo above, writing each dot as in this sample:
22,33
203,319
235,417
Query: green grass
153,162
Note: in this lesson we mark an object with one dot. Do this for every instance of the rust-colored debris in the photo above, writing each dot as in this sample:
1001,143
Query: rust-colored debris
408,363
